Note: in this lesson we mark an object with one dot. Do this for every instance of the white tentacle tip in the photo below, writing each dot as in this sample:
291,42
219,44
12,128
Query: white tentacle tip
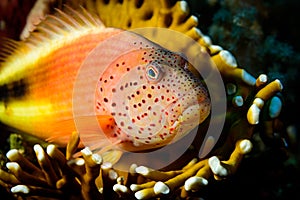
198,32
132,168
140,195
142,170
238,101
216,167
262,79
86,151
184,6
97,159
248,78
275,107
280,84
231,88
12,154
20,189
195,183
40,154
194,18
245,146
161,188
13,166
228,58
50,150
253,114
134,187
120,188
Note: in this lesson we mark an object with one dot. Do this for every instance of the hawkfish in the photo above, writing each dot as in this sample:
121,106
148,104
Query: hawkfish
143,99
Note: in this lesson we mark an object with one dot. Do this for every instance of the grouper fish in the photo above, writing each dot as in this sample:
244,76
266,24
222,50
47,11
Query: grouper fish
144,99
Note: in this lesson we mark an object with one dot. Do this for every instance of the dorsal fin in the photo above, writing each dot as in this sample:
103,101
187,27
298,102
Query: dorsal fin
63,22
52,33
7,47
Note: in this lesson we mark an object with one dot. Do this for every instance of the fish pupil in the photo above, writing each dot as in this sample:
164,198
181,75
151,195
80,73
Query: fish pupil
151,73
154,72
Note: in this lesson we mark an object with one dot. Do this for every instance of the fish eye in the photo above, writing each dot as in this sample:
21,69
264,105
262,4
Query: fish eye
154,72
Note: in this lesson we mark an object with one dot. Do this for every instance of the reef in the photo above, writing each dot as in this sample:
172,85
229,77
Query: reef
253,120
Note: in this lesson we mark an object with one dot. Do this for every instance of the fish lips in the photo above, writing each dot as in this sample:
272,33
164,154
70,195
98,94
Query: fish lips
191,109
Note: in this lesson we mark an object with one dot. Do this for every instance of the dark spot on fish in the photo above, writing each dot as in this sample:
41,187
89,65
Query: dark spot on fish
4,94
14,90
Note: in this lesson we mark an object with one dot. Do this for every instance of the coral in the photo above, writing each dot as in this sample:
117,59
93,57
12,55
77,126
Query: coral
252,103
55,176
261,40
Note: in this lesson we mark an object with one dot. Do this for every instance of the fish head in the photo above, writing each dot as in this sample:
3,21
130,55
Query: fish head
153,97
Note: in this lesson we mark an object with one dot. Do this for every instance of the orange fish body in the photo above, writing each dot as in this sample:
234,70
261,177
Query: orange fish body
143,98
43,105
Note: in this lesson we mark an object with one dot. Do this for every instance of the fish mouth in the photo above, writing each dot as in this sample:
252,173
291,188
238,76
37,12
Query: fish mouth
193,108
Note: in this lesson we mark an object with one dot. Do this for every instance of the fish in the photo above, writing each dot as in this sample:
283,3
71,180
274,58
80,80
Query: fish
143,99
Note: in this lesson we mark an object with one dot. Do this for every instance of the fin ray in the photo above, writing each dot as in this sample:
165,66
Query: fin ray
64,24
7,47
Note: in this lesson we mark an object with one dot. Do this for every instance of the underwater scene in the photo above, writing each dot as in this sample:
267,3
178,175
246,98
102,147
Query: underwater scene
149,99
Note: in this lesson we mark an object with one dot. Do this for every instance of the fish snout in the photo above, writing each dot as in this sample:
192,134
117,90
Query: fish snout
194,108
